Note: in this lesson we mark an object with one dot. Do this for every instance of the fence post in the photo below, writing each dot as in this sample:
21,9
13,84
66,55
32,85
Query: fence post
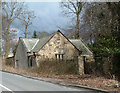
81,65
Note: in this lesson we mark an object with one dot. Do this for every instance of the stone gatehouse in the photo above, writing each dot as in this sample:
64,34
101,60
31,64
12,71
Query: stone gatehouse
31,51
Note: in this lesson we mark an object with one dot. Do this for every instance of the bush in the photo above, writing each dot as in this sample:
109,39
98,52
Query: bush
90,67
10,61
57,67
95,68
116,65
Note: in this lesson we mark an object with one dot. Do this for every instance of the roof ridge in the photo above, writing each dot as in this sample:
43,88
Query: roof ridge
24,44
49,37
35,44
29,43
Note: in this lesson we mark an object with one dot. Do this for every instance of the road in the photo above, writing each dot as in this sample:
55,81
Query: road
13,82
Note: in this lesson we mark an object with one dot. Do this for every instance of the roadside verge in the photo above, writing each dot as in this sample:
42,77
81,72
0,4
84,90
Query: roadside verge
50,80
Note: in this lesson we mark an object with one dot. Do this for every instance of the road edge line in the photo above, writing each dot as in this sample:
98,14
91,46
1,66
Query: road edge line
59,83
5,87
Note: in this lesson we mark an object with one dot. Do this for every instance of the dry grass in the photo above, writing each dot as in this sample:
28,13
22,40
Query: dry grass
57,68
86,80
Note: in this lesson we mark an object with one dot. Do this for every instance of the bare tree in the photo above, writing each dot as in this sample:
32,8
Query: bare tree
74,8
27,18
11,10
96,21
0,19
69,32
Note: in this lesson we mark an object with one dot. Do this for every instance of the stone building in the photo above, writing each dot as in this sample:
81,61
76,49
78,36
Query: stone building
31,51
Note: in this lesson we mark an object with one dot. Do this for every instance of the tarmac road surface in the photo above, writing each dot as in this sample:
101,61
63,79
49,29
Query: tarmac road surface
14,82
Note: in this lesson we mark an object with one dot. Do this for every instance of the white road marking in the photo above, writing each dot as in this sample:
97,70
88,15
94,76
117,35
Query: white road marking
5,87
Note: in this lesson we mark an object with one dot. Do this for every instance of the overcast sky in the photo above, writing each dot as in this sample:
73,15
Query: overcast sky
48,16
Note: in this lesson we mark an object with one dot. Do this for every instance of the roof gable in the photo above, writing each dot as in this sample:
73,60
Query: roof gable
44,40
29,43
35,44
41,43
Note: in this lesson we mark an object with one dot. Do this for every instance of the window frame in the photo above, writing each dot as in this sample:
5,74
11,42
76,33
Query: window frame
59,56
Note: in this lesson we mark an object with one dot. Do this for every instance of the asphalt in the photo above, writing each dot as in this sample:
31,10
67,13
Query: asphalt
16,82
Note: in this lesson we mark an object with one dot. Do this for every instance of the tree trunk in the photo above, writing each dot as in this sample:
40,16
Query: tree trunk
26,26
7,40
77,27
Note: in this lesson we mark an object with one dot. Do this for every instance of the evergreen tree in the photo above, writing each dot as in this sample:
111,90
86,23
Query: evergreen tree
107,44
35,34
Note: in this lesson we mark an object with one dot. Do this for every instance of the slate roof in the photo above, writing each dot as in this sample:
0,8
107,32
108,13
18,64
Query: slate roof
80,45
41,43
29,43
35,44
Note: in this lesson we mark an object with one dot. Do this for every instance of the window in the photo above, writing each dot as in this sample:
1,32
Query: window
59,56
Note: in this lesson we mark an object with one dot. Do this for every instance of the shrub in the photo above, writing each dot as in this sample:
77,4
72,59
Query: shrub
57,67
115,69
10,61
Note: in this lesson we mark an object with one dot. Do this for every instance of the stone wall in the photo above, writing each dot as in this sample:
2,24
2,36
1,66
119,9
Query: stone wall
58,44
21,58
81,65
89,58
